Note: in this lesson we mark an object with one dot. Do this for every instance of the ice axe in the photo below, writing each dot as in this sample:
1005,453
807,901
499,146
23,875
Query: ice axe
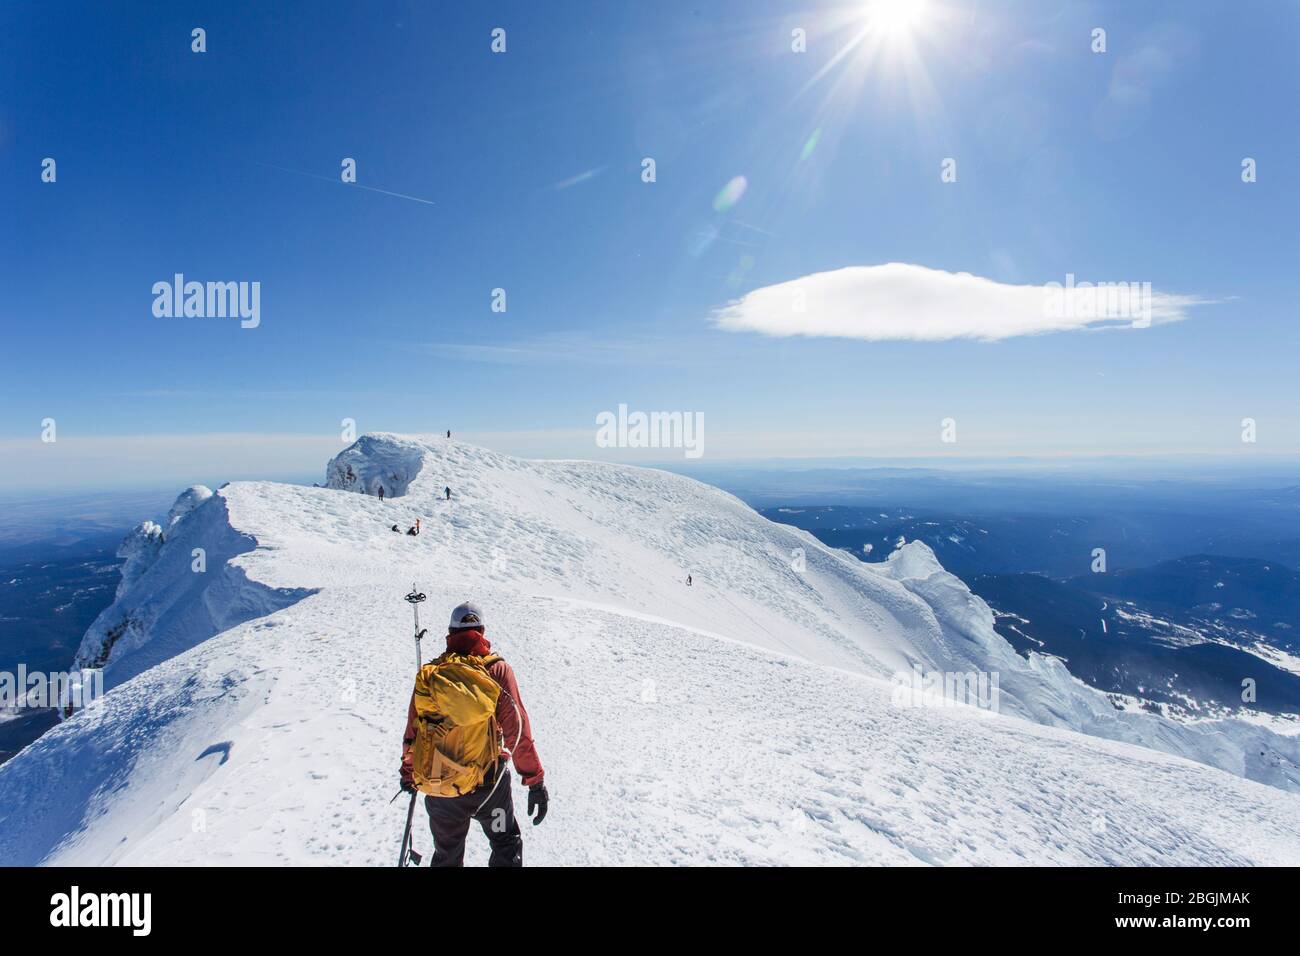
408,856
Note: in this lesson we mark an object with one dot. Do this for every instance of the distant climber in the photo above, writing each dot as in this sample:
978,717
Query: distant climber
381,492
397,529
465,718
448,432
688,580
414,530
447,491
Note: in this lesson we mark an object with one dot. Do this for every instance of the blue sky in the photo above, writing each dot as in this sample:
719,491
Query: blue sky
224,166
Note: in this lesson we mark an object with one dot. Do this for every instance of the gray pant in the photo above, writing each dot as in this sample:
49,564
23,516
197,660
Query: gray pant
494,809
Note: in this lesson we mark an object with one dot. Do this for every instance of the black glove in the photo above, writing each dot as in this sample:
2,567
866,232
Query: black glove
537,800
407,786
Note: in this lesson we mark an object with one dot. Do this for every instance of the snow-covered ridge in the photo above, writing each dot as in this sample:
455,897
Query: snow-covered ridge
748,716
179,587
374,463
830,612
140,548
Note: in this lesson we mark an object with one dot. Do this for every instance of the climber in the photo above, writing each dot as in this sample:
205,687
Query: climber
447,491
415,530
459,761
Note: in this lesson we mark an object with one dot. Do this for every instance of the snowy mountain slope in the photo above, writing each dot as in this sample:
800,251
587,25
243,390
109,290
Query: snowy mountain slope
168,606
629,536
675,747
744,719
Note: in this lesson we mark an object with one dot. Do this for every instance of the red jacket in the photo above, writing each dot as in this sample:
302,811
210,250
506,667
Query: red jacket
512,718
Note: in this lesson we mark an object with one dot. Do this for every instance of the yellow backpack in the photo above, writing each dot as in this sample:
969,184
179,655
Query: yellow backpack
456,737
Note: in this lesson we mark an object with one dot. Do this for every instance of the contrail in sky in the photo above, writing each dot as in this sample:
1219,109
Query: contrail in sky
330,179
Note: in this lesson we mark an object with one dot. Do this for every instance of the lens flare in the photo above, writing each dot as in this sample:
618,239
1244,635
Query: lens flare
730,194
811,145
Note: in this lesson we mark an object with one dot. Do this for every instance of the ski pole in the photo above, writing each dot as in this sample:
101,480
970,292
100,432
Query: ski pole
414,599
407,850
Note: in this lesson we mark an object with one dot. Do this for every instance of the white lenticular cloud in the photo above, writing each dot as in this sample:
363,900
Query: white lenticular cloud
899,301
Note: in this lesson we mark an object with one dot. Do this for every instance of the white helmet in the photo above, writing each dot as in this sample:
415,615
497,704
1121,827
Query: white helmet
467,615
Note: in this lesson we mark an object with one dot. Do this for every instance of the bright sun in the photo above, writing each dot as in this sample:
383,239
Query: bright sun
884,47
895,18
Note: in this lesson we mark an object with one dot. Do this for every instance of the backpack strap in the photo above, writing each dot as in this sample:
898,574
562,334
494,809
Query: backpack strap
486,660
